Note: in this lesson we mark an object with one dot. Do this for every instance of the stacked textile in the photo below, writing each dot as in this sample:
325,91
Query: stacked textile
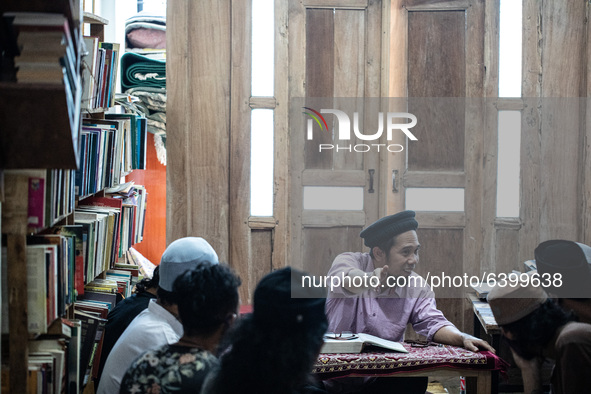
140,70
143,72
145,30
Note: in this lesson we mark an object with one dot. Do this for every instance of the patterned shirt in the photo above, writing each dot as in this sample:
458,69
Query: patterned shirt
385,314
169,369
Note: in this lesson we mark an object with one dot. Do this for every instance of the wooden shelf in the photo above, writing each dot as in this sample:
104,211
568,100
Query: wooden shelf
70,8
94,19
97,25
41,122
40,129
37,129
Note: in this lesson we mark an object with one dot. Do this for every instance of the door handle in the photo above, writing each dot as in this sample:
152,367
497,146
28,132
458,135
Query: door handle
394,181
371,172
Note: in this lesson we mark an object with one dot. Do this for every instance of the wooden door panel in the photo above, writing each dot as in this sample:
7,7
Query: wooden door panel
441,252
440,44
436,53
349,75
440,134
437,69
322,245
337,42
319,73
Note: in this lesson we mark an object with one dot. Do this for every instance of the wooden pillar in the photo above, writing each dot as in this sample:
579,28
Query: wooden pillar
554,189
18,350
198,121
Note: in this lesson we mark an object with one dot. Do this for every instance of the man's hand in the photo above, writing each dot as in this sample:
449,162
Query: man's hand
364,279
531,373
450,335
382,274
535,364
475,344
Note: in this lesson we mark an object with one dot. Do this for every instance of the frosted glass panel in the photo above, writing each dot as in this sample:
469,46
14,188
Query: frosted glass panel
435,199
261,162
263,27
508,161
333,198
510,37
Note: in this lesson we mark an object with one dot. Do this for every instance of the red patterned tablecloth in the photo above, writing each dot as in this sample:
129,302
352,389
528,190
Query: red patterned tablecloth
430,357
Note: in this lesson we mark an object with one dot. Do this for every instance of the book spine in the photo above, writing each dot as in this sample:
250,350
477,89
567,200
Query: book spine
36,206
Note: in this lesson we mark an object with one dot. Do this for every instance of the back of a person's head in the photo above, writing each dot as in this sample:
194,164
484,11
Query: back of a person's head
528,314
149,283
282,303
207,296
182,255
273,349
565,266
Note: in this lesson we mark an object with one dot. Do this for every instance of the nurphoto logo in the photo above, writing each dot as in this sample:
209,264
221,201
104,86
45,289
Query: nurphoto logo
391,119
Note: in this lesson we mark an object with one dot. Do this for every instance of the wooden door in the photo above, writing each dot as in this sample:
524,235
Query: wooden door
335,58
437,61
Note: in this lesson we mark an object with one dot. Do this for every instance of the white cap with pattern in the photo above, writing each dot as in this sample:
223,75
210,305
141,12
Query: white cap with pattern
183,255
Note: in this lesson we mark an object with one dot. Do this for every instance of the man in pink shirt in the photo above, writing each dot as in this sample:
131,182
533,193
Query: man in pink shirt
369,300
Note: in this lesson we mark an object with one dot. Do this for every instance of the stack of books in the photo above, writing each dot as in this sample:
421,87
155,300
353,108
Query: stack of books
100,64
46,50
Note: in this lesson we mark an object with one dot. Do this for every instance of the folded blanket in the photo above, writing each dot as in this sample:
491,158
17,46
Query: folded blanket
158,117
145,19
138,70
146,38
160,144
152,98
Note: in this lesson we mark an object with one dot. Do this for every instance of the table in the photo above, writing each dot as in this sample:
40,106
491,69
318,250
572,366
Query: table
483,317
444,360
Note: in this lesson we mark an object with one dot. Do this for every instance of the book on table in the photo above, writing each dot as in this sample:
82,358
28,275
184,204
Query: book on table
482,289
355,343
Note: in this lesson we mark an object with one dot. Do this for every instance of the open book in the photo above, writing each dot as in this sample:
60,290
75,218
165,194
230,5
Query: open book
356,344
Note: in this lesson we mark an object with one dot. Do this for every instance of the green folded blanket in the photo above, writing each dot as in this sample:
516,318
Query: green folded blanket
139,70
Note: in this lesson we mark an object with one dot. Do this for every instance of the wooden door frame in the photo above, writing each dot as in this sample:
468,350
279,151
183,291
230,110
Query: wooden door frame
472,176
242,245
297,81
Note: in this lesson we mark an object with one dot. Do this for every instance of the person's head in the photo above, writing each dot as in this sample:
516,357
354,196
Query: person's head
180,256
567,266
149,284
393,241
527,316
207,299
282,303
273,349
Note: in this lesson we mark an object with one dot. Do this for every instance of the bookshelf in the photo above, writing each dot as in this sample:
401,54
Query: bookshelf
41,139
46,135
33,136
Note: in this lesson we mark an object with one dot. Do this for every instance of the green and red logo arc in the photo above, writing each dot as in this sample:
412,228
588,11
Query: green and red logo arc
317,117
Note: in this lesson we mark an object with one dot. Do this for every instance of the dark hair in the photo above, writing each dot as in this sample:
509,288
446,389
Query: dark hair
166,297
385,246
533,332
148,283
205,297
268,360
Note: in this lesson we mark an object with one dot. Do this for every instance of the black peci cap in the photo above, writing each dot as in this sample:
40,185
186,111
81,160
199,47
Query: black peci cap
280,299
388,227
570,260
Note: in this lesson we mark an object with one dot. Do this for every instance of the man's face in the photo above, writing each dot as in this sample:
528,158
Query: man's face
403,256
